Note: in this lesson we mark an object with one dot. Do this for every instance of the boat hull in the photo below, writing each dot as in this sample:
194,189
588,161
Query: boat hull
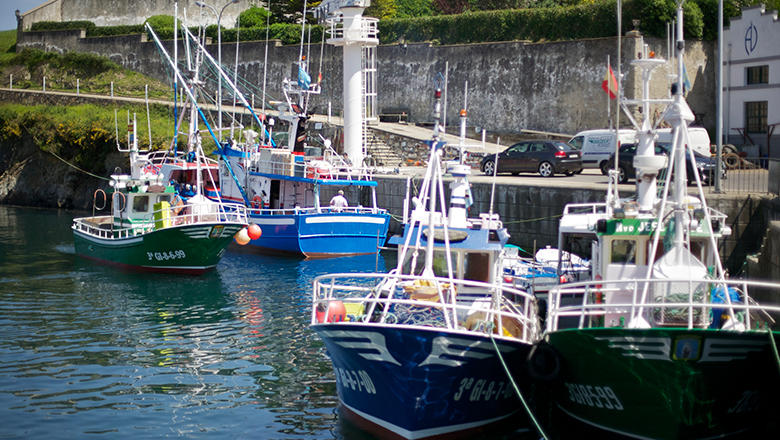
416,383
322,234
665,382
182,249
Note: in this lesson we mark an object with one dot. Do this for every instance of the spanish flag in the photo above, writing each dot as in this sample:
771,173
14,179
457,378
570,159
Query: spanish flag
610,83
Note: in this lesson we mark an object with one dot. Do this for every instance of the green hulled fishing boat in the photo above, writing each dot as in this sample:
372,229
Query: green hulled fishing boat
661,343
154,228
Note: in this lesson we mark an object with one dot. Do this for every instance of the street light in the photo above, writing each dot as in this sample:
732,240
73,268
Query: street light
219,55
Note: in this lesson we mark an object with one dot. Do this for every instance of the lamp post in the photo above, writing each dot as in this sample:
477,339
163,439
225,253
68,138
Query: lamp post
219,54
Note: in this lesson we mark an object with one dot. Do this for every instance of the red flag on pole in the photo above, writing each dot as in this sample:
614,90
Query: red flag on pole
610,83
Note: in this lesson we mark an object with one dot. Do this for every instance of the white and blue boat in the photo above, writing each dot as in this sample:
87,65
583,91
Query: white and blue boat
281,183
432,347
282,187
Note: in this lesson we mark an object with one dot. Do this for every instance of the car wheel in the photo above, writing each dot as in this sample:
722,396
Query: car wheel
488,168
604,167
622,175
546,169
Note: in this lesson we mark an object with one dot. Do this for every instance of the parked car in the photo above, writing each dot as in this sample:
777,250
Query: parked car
705,164
543,156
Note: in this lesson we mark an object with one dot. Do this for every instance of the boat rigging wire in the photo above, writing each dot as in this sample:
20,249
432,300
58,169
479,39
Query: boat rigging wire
74,166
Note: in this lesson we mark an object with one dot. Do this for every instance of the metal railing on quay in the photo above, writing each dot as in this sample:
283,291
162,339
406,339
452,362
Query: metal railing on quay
745,174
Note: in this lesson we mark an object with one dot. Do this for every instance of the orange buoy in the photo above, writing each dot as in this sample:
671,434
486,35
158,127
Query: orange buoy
254,231
242,237
336,312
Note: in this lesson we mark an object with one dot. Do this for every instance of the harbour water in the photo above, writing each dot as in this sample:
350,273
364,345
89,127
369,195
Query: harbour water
90,351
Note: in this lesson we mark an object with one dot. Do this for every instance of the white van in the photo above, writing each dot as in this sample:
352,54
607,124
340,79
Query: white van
598,145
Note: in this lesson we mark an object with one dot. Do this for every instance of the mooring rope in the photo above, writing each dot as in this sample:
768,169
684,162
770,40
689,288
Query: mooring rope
74,166
517,389
774,348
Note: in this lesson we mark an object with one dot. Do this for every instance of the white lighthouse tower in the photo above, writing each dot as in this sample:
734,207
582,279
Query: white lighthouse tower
350,30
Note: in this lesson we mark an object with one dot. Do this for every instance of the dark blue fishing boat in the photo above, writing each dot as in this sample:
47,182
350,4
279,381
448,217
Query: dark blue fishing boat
422,351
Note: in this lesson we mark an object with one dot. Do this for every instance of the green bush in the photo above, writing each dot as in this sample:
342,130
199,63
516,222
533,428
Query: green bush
253,17
62,25
85,64
104,31
584,20
286,32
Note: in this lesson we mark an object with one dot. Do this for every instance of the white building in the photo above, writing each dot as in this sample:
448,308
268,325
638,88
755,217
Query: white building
751,78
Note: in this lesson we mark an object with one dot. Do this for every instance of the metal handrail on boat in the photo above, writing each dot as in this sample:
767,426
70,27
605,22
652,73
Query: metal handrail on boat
393,299
312,210
105,227
585,208
690,298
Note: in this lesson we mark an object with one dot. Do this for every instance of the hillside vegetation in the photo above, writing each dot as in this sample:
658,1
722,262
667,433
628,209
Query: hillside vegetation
461,21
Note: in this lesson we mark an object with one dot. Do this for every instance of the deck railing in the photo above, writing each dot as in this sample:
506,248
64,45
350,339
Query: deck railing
308,211
392,299
681,303
104,226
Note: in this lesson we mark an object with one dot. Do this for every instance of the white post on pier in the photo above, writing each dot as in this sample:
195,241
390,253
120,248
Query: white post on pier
353,33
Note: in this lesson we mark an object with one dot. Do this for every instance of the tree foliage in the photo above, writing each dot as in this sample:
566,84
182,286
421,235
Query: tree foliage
382,9
253,17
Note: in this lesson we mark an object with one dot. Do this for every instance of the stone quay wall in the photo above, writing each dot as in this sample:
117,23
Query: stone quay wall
512,86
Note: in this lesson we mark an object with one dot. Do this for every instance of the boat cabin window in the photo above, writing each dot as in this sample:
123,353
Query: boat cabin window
623,251
439,264
140,203
477,267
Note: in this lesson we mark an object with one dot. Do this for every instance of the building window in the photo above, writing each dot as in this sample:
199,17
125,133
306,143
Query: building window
757,75
755,116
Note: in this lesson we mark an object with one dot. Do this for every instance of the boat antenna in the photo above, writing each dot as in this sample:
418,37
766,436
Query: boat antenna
196,108
235,75
175,61
613,194
495,171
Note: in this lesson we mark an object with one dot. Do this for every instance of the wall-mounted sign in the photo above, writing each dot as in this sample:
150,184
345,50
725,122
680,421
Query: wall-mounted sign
751,39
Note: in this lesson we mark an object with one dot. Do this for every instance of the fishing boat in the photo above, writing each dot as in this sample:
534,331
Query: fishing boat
661,344
422,351
282,184
151,228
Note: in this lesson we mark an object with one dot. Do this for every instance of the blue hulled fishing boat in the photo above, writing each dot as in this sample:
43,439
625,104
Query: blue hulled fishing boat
422,351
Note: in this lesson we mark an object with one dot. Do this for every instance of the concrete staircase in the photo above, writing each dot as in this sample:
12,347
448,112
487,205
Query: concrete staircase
381,153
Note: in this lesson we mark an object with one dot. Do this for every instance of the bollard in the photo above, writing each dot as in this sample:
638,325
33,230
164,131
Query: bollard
44,84
11,82
77,87
112,89
328,112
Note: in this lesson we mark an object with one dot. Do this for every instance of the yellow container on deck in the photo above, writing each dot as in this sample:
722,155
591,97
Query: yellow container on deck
162,215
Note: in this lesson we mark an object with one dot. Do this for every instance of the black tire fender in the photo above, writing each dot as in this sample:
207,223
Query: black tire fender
543,362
